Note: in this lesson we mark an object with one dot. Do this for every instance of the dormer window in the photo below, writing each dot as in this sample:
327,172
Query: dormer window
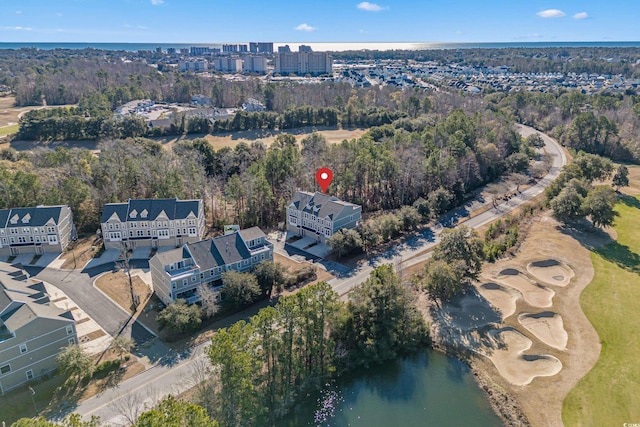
26,218
133,213
14,219
144,214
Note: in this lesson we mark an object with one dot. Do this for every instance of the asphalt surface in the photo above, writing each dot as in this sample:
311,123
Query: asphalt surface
174,372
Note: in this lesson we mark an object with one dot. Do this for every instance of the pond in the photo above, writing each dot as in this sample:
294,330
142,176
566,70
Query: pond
428,389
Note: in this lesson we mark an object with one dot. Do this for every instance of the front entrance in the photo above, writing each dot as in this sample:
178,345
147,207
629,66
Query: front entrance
39,250
15,251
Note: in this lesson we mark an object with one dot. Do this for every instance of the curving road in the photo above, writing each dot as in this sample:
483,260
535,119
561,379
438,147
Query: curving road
177,376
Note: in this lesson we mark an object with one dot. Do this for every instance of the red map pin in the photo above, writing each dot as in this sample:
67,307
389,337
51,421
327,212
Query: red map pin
324,176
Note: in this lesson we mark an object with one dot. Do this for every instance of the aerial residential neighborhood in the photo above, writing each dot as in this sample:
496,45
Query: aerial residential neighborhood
395,214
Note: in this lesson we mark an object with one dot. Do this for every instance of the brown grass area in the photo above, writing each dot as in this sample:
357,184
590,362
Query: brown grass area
322,275
82,249
333,136
116,286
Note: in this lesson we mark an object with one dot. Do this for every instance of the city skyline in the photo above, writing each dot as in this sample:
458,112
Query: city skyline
194,21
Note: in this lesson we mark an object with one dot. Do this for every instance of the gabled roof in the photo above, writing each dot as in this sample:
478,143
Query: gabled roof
320,205
172,209
252,233
33,217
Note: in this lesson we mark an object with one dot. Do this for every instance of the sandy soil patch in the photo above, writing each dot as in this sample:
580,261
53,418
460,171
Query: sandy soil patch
551,272
547,327
533,293
501,297
518,368
116,286
470,312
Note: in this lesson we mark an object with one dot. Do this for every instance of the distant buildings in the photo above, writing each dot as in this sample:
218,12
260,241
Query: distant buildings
284,49
253,105
228,65
302,63
230,48
178,273
198,51
32,331
261,47
193,65
39,230
254,64
152,222
304,48
318,215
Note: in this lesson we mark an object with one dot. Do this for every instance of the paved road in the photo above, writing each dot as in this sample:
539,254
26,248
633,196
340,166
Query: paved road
78,285
409,253
174,373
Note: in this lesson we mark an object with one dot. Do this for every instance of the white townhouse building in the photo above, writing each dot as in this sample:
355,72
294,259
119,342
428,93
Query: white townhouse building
38,230
176,274
33,331
318,215
152,222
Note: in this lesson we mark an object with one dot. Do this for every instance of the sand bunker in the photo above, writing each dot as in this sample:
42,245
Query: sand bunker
547,327
551,272
534,294
517,368
502,297
470,312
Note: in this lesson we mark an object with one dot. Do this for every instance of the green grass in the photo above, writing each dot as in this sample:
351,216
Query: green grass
7,130
17,403
609,395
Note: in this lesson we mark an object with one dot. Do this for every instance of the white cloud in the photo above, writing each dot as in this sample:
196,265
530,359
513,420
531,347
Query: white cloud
581,15
305,27
551,13
370,7
17,28
157,2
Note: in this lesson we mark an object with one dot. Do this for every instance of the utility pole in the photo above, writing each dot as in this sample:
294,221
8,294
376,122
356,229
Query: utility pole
33,399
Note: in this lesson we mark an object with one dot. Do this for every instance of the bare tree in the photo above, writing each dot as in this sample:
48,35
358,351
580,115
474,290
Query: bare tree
209,299
199,379
518,179
130,407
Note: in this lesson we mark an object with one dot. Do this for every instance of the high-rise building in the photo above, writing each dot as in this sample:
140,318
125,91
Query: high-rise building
261,47
228,65
284,49
171,51
302,63
195,65
255,64
229,47
184,51
198,50
304,48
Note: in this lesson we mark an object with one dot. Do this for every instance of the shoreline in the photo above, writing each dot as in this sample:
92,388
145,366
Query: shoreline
503,403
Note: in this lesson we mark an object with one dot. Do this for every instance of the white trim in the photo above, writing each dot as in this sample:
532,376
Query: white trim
40,348
35,338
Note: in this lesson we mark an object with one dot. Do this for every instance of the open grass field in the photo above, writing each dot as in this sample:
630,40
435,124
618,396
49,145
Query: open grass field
218,141
8,130
609,394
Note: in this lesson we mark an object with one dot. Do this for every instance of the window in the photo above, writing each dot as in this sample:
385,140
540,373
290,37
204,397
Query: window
173,285
51,229
72,341
185,282
110,226
192,230
53,239
193,278
238,265
26,230
37,239
22,239
23,348
69,329
5,369
201,275
29,375
12,239
14,231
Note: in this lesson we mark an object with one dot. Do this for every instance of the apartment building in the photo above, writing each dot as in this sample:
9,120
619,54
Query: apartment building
194,65
302,63
32,330
38,230
228,65
261,47
318,215
254,64
152,222
178,273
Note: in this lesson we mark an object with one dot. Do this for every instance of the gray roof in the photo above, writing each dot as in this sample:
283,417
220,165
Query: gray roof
320,205
173,208
252,233
167,257
219,251
38,216
4,216
24,302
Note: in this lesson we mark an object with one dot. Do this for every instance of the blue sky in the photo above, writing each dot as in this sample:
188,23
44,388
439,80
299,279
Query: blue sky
185,21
